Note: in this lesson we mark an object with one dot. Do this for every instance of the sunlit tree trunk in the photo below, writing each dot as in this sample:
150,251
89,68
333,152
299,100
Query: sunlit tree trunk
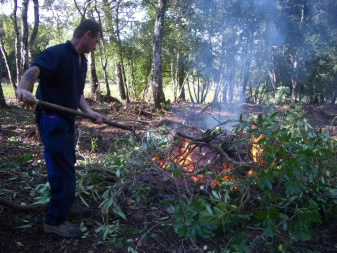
35,30
23,43
7,61
157,83
104,64
119,76
24,40
94,78
17,45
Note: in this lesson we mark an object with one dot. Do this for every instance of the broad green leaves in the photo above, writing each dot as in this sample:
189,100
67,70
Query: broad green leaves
283,196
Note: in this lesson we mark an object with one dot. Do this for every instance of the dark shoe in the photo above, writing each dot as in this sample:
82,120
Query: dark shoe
64,230
78,210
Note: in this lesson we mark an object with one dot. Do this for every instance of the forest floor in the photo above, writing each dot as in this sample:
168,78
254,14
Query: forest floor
21,231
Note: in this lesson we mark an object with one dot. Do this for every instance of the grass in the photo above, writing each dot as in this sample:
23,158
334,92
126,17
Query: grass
8,90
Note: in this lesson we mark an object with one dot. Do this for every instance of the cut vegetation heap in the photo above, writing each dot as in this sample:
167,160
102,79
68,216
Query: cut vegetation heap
212,187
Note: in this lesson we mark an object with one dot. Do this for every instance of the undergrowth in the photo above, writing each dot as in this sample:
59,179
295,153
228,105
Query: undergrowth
289,189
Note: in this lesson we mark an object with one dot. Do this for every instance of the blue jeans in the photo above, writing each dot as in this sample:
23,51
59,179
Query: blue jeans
58,138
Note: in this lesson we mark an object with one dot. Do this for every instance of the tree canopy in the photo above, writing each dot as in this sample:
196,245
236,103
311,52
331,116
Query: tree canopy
211,51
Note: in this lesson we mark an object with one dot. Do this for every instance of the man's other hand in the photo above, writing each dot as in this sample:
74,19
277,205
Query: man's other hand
25,96
99,117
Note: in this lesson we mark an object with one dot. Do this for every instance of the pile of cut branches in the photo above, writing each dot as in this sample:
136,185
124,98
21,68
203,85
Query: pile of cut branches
206,183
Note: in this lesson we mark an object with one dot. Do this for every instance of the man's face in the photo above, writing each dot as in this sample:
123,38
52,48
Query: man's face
91,42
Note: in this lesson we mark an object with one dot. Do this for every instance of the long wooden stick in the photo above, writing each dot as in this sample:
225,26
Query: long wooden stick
82,114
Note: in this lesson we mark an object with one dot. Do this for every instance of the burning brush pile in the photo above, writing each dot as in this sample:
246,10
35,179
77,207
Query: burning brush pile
258,186
207,158
262,180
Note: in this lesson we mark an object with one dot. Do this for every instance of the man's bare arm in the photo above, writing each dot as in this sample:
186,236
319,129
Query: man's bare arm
26,84
85,107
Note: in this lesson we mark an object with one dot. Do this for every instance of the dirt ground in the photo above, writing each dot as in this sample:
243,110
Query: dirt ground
21,231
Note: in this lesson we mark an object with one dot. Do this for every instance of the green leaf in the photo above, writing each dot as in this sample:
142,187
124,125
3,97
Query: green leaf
118,173
327,151
25,226
265,182
83,201
216,195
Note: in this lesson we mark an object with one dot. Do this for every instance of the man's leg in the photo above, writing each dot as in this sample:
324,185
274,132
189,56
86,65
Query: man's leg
57,135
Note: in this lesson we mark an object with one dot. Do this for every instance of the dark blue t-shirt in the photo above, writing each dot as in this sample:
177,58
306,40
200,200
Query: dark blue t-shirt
61,79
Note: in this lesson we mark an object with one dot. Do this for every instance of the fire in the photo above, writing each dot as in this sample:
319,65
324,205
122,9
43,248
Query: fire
256,150
202,164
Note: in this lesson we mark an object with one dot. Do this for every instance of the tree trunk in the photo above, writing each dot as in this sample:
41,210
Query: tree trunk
174,75
132,77
222,67
6,59
204,91
294,84
246,74
2,97
181,78
225,91
104,63
119,76
113,38
231,78
125,82
17,45
103,57
189,89
23,44
157,84
94,78
24,41
35,31
334,98
120,65
147,79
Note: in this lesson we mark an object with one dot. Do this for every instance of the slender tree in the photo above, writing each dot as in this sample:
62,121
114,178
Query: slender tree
103,54
2,97
157,83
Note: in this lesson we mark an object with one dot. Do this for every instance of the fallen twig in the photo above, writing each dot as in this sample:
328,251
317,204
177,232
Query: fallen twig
18,207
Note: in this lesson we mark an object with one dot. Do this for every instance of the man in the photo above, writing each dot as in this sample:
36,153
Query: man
62,72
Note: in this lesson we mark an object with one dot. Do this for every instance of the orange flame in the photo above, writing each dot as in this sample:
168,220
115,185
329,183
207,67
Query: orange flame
256,150
197,163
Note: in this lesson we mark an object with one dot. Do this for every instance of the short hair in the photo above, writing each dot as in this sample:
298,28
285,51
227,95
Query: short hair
88,25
